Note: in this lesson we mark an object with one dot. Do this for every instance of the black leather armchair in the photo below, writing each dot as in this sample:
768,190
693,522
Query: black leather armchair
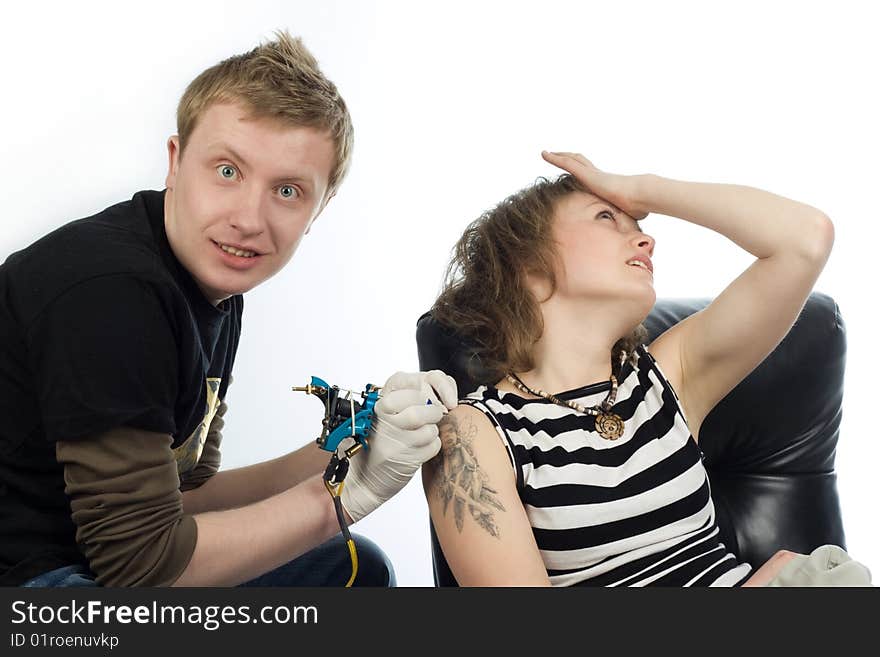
769,445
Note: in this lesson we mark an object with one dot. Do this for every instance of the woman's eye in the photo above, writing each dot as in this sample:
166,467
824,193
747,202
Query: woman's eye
226,171
607,214
288,191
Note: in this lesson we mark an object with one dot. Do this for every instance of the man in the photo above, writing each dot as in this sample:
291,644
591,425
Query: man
118,334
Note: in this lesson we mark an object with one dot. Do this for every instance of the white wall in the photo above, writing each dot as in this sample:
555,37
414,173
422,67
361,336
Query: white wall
452,104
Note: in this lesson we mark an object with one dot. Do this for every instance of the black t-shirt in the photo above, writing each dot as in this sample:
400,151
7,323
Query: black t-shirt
100,327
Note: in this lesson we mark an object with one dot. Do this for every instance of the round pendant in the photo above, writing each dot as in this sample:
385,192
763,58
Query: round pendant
609,426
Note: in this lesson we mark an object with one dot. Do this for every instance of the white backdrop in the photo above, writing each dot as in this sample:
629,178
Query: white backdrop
452,103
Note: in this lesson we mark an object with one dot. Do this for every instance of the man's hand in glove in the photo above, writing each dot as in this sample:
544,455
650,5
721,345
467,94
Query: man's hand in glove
404,436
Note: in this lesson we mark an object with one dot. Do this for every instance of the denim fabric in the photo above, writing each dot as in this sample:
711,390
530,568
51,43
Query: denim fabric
330,565
65,576
327,565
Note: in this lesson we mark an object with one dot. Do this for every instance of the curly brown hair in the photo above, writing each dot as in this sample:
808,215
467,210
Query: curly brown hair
485,298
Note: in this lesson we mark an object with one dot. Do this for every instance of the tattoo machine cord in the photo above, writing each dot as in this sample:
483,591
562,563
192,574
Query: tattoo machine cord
345,428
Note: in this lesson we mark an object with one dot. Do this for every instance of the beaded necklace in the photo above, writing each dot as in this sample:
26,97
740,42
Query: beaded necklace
608,424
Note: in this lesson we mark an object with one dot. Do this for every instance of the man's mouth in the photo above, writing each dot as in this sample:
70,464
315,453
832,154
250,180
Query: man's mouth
241,253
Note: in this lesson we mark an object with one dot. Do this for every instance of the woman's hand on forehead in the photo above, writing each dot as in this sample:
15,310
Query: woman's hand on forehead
617,189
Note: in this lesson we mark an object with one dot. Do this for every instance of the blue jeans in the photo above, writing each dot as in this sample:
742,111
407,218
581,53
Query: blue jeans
327,565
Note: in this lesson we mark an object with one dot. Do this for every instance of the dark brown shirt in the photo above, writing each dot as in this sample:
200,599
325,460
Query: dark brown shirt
126,503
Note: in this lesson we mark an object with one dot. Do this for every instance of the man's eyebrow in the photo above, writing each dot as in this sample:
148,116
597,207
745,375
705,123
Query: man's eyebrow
221,146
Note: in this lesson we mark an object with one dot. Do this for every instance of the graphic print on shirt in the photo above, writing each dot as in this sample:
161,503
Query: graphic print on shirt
190,451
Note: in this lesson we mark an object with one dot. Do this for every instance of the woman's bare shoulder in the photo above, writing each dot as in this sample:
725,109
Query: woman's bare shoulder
468,417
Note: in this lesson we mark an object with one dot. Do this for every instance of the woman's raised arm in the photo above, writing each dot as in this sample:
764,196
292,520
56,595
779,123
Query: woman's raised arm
706,355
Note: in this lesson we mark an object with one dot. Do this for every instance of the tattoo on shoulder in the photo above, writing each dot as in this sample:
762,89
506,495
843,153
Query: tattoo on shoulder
458,480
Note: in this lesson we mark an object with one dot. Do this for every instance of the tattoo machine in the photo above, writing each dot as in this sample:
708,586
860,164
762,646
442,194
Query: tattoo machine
345,428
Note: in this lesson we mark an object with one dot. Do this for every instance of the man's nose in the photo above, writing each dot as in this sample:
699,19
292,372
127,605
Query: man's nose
248,216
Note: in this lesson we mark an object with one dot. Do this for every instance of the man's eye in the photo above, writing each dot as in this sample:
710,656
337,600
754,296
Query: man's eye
607,214
288,191
226,171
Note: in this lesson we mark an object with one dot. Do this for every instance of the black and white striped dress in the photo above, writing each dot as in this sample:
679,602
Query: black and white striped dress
636,511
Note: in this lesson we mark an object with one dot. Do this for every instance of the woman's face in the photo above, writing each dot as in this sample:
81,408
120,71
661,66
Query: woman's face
596,244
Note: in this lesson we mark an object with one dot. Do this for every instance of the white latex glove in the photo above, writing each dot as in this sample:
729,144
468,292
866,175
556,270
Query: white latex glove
404,435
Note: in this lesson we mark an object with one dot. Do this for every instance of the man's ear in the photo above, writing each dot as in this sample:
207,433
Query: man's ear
323,205
173,161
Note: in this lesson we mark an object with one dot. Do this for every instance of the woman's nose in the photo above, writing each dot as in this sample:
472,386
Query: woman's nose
644,241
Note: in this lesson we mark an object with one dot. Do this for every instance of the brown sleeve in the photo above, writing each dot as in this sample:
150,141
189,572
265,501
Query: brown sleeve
209,461
127,506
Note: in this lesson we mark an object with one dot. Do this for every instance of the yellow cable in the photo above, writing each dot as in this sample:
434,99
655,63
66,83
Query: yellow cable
354,561
352,550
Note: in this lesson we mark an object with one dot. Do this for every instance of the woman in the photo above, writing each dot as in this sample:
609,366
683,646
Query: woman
603,483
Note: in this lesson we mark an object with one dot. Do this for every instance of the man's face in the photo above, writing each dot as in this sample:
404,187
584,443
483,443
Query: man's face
241,197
